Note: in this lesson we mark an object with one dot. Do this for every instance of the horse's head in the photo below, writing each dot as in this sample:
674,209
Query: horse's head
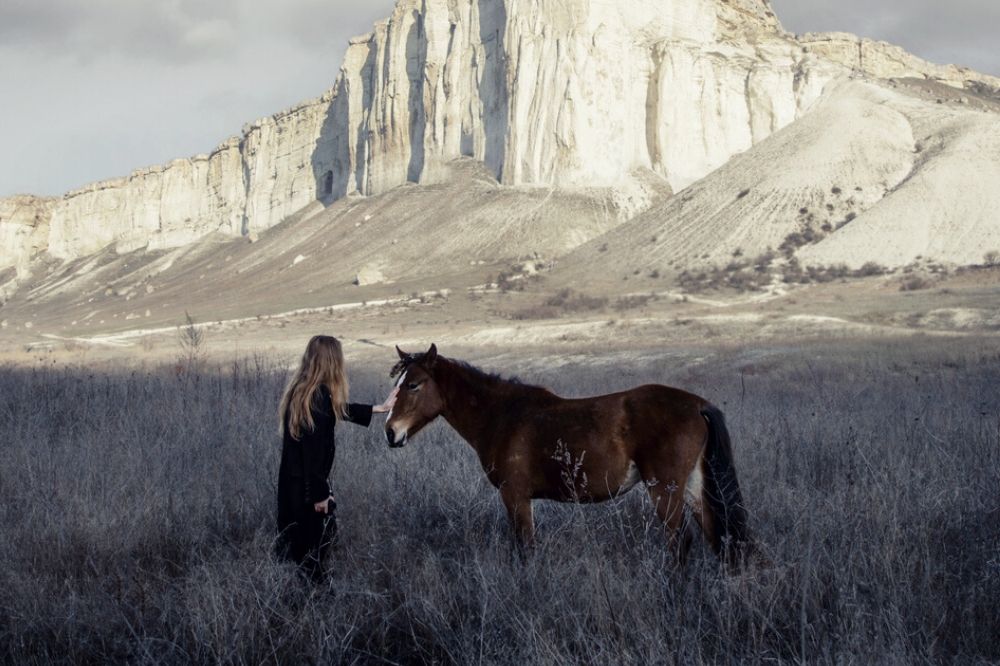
419,400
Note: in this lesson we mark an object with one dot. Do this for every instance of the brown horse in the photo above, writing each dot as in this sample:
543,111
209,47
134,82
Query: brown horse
535,445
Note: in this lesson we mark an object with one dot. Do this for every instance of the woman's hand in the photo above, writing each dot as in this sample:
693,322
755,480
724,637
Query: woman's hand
387,405
323,506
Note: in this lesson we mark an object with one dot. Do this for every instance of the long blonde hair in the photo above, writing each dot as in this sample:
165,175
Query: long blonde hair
322,365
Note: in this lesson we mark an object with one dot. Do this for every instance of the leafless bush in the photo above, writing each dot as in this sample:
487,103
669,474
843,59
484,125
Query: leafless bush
632,302
870,269
915,283
191,340
565,301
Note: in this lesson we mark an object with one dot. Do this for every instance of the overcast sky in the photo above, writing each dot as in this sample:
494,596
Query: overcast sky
92,89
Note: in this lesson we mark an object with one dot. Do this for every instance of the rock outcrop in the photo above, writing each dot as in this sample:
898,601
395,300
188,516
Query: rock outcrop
885,61
567,93
24,231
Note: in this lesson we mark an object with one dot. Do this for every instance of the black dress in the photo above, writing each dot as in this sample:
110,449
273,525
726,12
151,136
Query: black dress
304,534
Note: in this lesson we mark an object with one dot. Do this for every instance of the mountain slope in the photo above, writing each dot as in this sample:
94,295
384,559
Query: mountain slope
485,130
412,238
872,173
568,93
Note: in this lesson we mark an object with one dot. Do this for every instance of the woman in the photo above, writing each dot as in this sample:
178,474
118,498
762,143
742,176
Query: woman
314,400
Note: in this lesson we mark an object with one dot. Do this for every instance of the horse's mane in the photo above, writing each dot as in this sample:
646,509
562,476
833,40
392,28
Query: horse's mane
486,377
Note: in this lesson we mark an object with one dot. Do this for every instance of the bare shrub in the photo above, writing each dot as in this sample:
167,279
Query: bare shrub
565,301
569,300
870,269
191,339
915,283
632,302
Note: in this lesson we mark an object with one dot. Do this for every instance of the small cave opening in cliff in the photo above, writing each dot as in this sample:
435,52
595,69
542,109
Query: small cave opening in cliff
328,184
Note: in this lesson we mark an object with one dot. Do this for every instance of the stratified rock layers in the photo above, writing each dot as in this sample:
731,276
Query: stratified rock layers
559,93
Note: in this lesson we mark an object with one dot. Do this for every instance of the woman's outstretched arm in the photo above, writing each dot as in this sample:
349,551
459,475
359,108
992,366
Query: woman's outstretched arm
361,414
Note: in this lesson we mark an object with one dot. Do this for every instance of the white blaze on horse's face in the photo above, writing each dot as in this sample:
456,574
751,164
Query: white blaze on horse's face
399,382
417,404
394,433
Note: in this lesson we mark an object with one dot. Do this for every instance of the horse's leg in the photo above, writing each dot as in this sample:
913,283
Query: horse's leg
696,500
668,498
522,522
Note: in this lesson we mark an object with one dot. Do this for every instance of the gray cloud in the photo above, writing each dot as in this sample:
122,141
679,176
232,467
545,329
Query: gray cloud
96,88
171,31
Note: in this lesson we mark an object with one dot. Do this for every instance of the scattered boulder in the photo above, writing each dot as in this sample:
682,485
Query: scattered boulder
369,275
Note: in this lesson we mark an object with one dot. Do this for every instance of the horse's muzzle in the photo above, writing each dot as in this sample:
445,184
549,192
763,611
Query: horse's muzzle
390,437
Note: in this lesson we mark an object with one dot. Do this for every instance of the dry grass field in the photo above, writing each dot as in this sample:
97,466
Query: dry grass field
136,506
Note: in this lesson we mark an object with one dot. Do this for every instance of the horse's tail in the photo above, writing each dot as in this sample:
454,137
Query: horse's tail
731,537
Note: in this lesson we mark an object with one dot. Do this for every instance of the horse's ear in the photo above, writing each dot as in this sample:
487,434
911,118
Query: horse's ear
402,354
431,356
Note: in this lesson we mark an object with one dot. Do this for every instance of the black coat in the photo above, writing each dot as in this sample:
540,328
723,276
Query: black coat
305,467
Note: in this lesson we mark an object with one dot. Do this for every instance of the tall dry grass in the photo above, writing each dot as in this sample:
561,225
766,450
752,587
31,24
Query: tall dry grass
137,508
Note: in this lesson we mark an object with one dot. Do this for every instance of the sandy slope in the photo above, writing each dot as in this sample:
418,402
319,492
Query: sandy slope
411,238
880,173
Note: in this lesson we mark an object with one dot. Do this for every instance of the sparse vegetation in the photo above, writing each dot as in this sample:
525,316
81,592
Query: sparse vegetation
191,339
740,275
147,539
505,283
915,283
632,302
759,273
565,301
795,273
797,239
870,269
991,258
517,277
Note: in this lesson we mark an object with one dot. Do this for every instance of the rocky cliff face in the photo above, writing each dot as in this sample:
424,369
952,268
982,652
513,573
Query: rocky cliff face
561,93
24,231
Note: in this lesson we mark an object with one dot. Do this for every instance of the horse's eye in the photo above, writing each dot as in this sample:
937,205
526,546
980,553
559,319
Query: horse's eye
413,386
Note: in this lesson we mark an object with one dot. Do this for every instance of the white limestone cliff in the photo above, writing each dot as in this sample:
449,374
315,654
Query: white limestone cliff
559,93
24,231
